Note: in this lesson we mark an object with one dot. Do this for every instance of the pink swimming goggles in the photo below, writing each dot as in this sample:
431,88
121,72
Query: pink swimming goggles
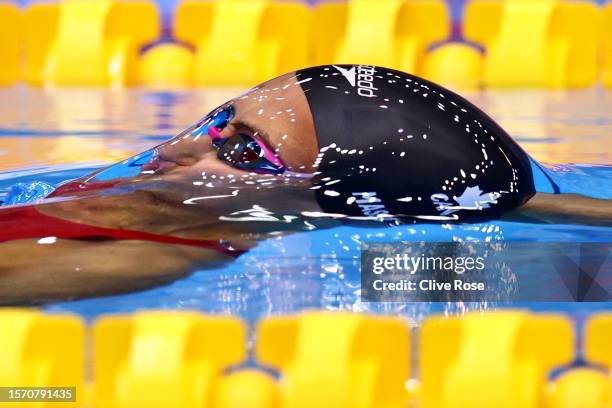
242,151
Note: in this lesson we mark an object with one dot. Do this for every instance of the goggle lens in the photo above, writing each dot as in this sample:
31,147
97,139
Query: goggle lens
241,151
245,153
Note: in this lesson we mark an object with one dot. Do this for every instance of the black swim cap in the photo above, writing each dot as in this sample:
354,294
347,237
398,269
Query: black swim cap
395,144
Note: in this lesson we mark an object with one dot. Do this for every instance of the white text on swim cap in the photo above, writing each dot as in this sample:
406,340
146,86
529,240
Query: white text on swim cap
369,204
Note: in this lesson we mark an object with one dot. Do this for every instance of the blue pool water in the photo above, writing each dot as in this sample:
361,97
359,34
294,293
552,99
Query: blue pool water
316,269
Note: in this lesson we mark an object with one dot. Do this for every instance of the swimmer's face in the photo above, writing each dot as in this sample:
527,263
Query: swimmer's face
274,119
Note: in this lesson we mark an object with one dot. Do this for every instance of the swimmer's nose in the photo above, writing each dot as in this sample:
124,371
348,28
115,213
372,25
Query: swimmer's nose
186,151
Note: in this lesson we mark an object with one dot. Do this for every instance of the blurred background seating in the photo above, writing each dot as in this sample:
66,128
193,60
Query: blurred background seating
319,359
10,26
607,38
169,44
543,43
88,42
391,33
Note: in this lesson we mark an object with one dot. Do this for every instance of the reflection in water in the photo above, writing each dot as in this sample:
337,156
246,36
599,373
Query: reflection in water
41,127
561,126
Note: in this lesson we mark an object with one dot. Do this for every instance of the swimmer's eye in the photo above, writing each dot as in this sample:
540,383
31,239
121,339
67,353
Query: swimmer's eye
239,149
243,150
247,152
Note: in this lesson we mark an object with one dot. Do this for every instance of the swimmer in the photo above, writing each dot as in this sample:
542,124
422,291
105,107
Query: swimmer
310,149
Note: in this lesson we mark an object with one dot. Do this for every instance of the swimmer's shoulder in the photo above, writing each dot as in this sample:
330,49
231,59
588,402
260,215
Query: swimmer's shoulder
566,208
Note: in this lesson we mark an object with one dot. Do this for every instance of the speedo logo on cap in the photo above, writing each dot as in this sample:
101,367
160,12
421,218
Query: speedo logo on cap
361,77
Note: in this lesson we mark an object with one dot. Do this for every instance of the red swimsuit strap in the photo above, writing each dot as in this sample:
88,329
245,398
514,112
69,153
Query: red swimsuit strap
25,222
78,187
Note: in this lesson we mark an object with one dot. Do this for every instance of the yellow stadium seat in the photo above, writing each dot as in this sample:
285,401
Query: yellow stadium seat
598,340
390,33
607,36
454,65
167,66
40,27
10,22
247,389
82,42
163,359
579,387
337,360
243,42
40,350
536,43
498,359
598,349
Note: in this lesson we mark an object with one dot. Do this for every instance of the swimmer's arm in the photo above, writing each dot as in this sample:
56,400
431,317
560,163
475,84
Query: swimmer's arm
31,273
566,208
